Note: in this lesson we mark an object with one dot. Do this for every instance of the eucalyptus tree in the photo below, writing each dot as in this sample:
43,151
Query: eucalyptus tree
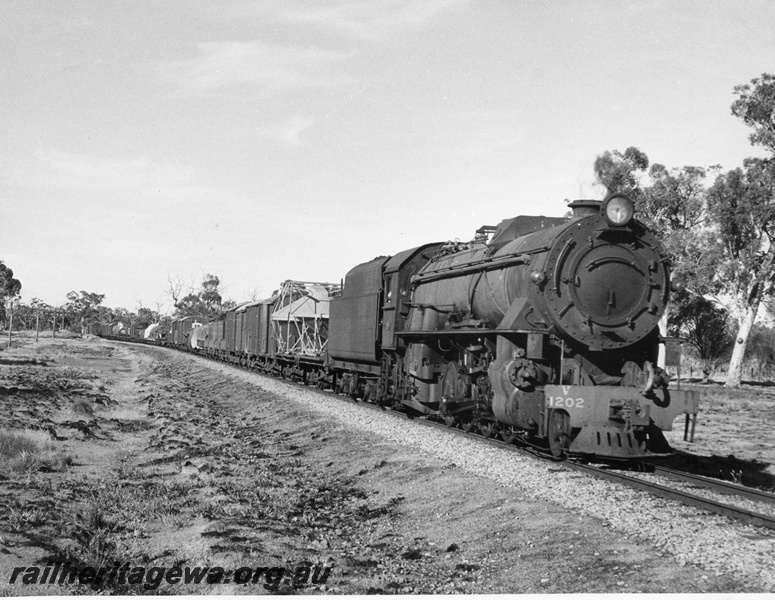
674,207
755,105
207,302
742,206
9,295
81,309
706,326
622,171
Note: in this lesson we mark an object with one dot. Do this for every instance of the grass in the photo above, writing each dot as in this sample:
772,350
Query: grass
136,503
98,530
93,535
743,400
95,542
11,445
30,451
83,406
715,391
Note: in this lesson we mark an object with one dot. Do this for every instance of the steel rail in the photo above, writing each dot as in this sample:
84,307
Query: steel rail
717,485
734,512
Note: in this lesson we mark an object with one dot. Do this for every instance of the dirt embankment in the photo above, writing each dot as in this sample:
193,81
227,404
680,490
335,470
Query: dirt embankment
137,455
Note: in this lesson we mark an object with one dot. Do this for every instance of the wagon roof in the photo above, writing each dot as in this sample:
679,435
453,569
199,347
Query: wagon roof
306,307
270,300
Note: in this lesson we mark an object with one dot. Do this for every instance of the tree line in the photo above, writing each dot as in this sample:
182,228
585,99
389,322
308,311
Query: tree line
83,308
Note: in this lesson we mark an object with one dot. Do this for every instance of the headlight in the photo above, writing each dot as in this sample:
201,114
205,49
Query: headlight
618,210
678,284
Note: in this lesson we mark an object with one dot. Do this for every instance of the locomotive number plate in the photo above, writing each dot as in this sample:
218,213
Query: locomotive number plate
565,402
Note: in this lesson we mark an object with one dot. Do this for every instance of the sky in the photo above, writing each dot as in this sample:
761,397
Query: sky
260,141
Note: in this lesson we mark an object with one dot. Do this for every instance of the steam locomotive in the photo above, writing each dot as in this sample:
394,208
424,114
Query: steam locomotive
540,329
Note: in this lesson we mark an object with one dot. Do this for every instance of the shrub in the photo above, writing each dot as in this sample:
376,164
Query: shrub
30,451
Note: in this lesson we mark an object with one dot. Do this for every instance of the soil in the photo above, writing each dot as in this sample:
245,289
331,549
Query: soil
146,457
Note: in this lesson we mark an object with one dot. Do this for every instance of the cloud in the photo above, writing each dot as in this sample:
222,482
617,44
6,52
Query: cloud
273,67
289,132
372,20
137,177
233,63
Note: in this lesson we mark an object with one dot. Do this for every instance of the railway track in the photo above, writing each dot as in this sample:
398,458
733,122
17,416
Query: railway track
717,485
609,473
731,511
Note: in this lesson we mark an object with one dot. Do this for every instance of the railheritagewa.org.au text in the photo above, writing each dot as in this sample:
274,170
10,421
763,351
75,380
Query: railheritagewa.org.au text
152,577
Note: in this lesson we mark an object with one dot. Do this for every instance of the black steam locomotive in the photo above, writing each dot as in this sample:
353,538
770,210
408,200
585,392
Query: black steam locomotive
543,329
548,331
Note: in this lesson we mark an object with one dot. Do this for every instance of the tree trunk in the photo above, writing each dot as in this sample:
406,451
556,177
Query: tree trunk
662,349
754,299
735,372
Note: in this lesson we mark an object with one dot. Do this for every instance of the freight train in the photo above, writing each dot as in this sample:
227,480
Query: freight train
541,330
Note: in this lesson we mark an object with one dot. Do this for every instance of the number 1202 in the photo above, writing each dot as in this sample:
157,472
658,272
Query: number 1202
562,402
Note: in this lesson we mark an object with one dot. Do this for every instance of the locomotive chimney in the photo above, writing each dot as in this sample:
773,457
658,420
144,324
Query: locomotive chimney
585,208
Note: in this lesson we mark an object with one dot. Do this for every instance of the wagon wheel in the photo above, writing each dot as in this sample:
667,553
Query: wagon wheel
559,433
321,380
486,428
450,421
508,435
352,390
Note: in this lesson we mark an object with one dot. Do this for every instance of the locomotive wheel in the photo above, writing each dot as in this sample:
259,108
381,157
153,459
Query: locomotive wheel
487,428
450,421
559,433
